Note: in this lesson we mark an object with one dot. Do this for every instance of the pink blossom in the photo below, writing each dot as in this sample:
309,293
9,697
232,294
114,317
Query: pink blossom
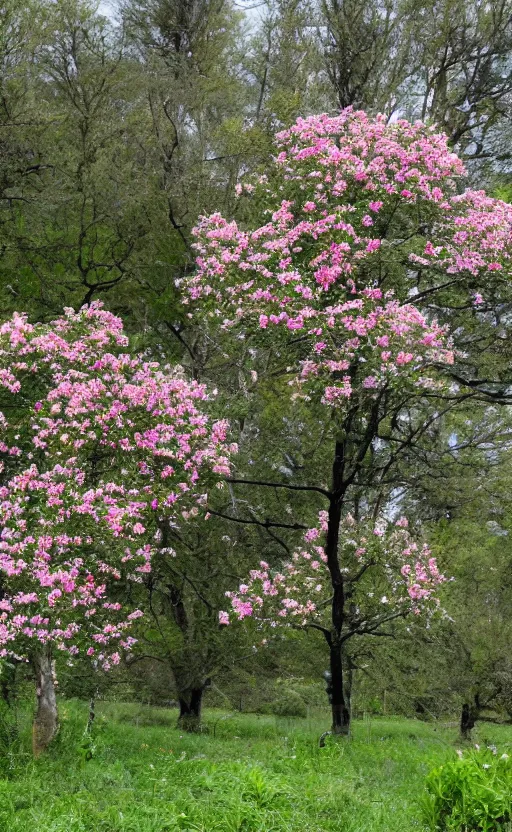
370,382
285,597
61,555
404,358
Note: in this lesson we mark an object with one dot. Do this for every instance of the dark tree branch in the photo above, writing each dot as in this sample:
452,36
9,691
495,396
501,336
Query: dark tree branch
265,524
266,484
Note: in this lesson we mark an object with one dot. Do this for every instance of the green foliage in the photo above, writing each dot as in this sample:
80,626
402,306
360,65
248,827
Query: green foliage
375,706
87,747
248,774
10,743
289,703
471,794
90,741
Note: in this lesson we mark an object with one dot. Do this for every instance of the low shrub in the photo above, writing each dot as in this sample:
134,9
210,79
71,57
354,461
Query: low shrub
471,794
289,703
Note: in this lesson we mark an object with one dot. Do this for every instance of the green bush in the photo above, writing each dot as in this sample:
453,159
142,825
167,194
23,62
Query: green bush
375,706
471,794
289,703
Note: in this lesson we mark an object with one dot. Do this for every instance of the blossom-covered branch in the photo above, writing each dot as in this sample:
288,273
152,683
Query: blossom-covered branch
389,571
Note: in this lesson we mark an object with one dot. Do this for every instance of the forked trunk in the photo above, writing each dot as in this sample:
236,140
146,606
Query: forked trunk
190,710
46,720
340,708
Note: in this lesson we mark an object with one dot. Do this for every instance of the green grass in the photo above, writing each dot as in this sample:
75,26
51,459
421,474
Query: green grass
249,774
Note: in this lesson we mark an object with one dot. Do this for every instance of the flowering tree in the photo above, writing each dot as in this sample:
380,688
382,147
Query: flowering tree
386,576
361,219
100,449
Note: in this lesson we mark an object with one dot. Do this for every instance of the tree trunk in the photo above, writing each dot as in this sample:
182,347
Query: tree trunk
92,715
348,678
190,710
46,719
340,709
467,721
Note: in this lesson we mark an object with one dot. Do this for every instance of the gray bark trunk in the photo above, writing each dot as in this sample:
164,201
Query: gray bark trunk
46,720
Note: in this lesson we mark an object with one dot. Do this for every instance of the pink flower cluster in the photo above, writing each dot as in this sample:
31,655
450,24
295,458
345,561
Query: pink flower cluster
383,565
474,237
98,448
348,190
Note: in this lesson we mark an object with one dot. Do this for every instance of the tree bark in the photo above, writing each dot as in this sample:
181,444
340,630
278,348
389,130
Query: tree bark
340,709
468,719
190,709
348,681
46,720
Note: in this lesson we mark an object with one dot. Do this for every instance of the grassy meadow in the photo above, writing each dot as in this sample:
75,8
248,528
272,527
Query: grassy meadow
249,773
